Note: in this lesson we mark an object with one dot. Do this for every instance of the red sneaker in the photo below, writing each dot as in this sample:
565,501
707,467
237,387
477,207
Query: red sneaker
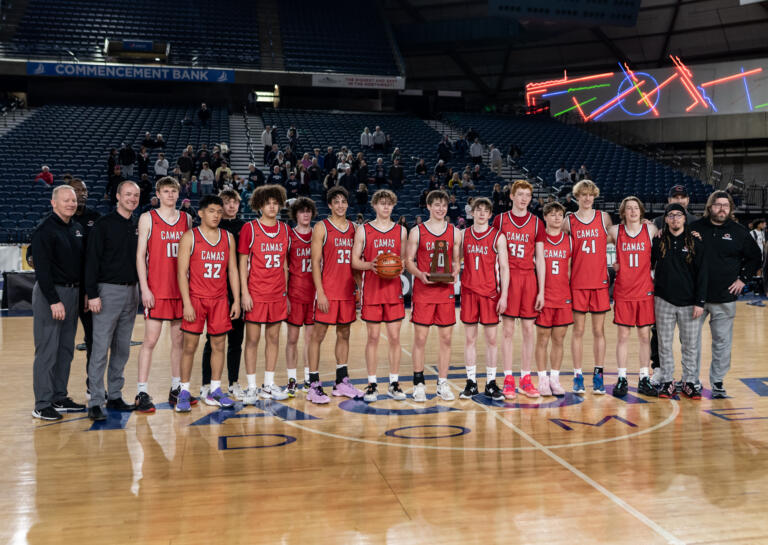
527,387
509,387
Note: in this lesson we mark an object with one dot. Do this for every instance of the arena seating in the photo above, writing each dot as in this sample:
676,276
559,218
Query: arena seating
224,34
76,139
547,144
346,36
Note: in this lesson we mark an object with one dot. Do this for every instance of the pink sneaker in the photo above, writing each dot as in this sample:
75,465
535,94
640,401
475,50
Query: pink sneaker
316,394
527,387
509,387
554,385
544,388
345,388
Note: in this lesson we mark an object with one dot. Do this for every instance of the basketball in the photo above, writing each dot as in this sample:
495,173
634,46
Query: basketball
388,265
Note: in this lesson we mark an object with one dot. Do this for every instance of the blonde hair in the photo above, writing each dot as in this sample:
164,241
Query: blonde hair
586,187
625,201
384,195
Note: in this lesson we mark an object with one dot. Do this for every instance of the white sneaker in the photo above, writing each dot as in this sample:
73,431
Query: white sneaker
544,386
371,393
236,391
273,391
395,392
554,385
419,393
205,389
251,396
444,391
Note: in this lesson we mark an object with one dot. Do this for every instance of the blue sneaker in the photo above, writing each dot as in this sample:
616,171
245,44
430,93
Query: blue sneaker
183,402
598,387
578,384
217,398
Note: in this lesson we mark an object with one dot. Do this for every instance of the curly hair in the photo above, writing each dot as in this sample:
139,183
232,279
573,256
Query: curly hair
262,195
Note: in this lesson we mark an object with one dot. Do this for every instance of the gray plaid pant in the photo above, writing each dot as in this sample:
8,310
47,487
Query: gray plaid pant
667,317
721,317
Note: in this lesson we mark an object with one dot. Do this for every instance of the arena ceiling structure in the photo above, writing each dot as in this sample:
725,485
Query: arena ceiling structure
491,49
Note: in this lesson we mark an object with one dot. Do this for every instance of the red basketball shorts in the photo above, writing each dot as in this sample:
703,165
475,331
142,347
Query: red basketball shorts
267,312
439,314
339,313
521,296
301,314
165,309
595,301
634,313
554,317
478,309
386,312
213,311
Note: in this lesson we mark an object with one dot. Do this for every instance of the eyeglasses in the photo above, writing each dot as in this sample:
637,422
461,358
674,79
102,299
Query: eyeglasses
676,216
721,205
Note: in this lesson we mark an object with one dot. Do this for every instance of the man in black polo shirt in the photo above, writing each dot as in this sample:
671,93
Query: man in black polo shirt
56,253
733,257
113,298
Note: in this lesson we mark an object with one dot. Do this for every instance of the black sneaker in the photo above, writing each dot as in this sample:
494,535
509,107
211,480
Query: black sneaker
667,390
144,403
66,405
469,390
691,390
82,347
646,387
371,393
47,413
493,391
678,386
718,391
96,414
119,405
622,387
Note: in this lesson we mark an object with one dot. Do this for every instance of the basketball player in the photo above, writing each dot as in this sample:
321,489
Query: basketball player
589,280
301,290
382,299
482,298
524,233
160,231
433,302
263,249
554,304
206,263
633,304
335,283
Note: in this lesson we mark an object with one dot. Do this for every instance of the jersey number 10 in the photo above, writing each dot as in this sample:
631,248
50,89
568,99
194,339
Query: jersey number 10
172,249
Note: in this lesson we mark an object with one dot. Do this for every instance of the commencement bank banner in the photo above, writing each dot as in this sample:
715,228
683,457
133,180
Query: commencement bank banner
122,71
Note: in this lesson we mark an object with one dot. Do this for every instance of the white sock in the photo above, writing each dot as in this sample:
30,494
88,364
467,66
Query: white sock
251,380
215,385
507,373
269,378
291,374
306,374
490,373
339,366
643,372
441,381
472,372
622,372
175,382
393,377
554,375
141,387
184,386
576,372
371,379
542,374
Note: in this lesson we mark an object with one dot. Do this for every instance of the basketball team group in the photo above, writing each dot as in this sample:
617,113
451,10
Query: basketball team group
235,280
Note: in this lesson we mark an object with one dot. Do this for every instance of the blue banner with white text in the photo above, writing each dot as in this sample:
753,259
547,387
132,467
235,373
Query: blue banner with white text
121,71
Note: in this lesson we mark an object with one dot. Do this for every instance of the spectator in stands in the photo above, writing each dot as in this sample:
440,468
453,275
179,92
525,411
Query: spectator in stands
396,175
320,158
143,161
472,135
583,172
202,156
272,156
44,176
159,141
513,154
677,194
266,143
496,200
454,183
304,181
433,183
279,160
366,139
293,139
127,158
146,189
536,206
255,175
288,168
570,204
494,156
379,173
112,161
347,180
186,206
276,176
404,222
356,162
363,176
423,199
206,179
395,154
476,152
444,150
441,171
421,168
306,162
466,182
148,142
204,114
387,142
361,195
758,233
331,179
574,176
161,166
290,156
461,148
562,176
477,174
223,175
153,203
468,211
292,186
454,211
110,192
315,171
185,165
329,161
379,139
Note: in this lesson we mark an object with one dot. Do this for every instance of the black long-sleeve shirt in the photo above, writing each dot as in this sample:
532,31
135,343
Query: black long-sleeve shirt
677,281
731,254
57,254
111,255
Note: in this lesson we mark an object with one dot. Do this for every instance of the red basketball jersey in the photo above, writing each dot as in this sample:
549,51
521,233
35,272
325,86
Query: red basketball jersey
377,290
267,253
557,285
589,267
480,256
162,254
301,287
440,292
633,279
522,234
338,281
208,266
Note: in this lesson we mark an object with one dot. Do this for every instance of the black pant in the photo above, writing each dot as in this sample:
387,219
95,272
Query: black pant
267,149
86,318
234,352
654,349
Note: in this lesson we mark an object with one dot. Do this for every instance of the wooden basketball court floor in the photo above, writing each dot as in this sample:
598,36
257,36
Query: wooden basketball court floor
591,470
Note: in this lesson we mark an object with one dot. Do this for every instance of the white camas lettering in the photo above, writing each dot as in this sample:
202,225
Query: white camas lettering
170,235
383,243
633,246
587,233
344,242
271,246
211,256
476,249
517,237
303,252
554,253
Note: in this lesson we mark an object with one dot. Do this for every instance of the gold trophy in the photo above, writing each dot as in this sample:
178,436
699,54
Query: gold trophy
440,268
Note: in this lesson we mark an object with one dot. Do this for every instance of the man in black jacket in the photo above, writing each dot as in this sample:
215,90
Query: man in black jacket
680,289
733,257
127,159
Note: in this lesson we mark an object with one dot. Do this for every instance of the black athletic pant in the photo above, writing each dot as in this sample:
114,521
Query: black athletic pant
654,349
234,352
86,318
